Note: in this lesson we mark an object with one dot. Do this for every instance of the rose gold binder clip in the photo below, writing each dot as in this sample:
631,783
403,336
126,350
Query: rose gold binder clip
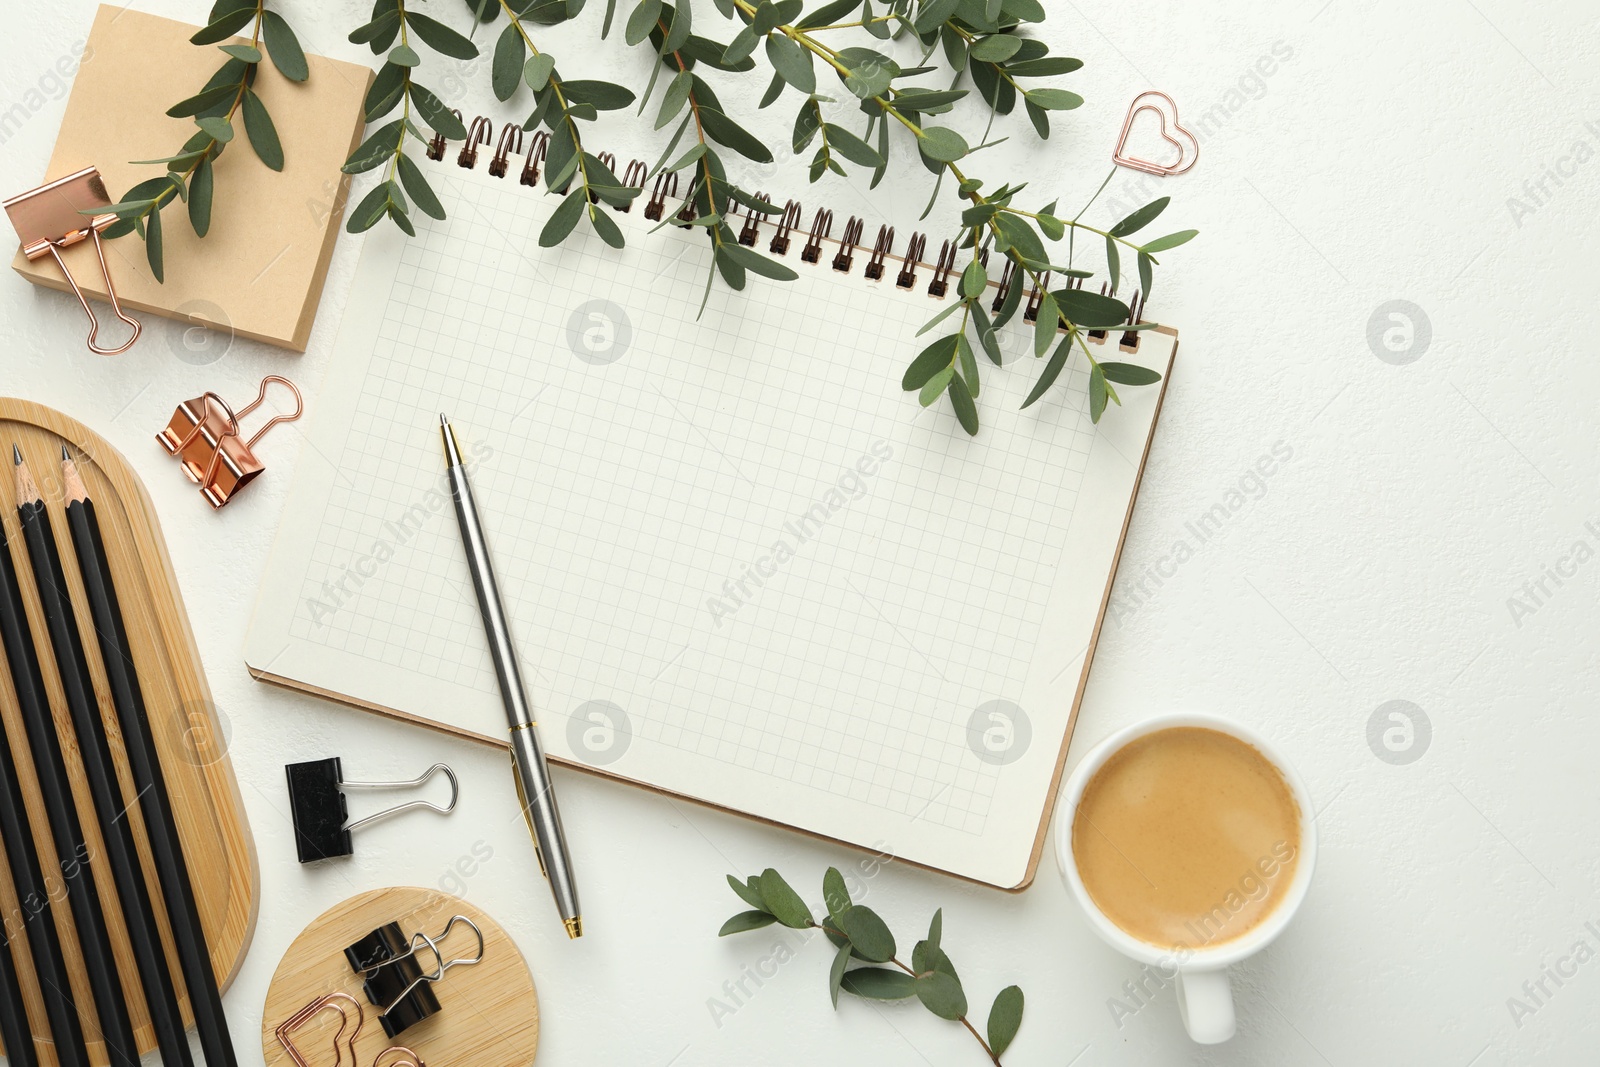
204,435
60,214
1166,110
335,1002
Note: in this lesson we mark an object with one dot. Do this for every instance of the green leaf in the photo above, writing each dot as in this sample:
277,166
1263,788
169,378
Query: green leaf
867,932
933,13
739,49
1044,67
966,411
879,983
202,100
835,895
436,115
828,14
936,386
200,189
842,957
376,149
746,920
403,55
1051,226
563,219
1141,218
1146,274
871,72
675,97
937,319
536,72
968,363
378,33
1022,238
1091,310
754,261
641,21
1171,240
793,62
1129,374
783,901
1039,117
996,48
263,134
678,30
1052,371
152,245
852,147
929,362
508,56
1005,1016
1097,394
941,144
1046,325
386,90
723,130
372,207
914,99
606,226
1113,262
747,892
219,129
1054,99
439,37
1012,301
417,185
974,279
986,333
243,52
604,95
942,995
225,27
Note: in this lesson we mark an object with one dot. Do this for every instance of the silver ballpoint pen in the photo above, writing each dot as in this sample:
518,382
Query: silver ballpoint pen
527,756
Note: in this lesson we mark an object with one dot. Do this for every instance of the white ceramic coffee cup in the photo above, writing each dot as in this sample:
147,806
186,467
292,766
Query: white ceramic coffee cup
1205,996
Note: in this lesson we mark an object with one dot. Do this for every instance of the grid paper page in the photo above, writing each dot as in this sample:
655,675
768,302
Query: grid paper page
740,562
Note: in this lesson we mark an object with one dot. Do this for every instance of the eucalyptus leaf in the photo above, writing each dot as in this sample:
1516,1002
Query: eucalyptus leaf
202,100
262,133
852,147
1097,394
961,400
536,71
200,190
606,96
782,900
371,208
1052,371
929,362
828,14
842,957
606,226
563,219
678,29
1054,99
1092,311
641,21
244,52
224,27
867,932
403,55
1043,68
725,131
1171,240
439,37
1046,326
436,115
942,994
942,144
415,183
996,48
1129,374
1005,1016
1113,262
878,983
835,895
793,62
1140,218
219,129
153,245
676,96
1146,274
746,920
754,261
974,279
747,892
506,71
937,319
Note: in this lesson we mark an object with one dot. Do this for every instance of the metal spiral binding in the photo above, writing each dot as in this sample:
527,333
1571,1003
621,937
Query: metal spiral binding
480,132
786,225
880,251
436,145
940,282
1030,313
848,244
538,145
666,185
609,161
633,176
1130,338
1007,278
908,263
821,226
510,141
751,231
1100,335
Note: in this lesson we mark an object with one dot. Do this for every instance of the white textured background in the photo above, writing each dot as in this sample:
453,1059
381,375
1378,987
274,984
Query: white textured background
1374,164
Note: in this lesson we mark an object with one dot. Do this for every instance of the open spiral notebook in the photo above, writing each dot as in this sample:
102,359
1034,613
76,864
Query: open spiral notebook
741,564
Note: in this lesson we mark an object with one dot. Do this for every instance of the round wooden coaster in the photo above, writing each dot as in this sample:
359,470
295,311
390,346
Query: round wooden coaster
488,1013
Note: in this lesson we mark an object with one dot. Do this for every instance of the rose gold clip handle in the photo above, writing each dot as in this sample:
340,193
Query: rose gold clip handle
261,396
58,215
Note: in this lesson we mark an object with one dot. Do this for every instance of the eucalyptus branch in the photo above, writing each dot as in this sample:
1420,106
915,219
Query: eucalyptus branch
189,174
863,939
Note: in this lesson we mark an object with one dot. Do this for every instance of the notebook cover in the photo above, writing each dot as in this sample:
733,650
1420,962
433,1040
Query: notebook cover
260,271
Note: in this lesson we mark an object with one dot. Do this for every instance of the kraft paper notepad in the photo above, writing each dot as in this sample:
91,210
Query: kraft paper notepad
259,272
741,564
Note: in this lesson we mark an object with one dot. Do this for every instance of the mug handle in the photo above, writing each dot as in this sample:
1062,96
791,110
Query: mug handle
1205,1003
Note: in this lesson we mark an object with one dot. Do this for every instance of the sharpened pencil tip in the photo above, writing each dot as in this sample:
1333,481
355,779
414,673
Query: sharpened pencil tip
66,455
16,455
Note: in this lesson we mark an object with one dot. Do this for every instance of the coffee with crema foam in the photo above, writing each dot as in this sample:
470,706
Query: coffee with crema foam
1187,837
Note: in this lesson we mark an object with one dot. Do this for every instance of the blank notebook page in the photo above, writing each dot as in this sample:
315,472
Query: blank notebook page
741,564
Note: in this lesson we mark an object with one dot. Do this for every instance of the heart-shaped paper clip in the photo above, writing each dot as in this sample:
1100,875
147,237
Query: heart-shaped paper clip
1171,132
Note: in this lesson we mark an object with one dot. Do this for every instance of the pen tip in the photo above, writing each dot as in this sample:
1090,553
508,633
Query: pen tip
442,420
16,455
574,927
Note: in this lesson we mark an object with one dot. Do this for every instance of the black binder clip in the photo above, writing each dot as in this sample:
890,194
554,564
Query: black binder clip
394,977
316,800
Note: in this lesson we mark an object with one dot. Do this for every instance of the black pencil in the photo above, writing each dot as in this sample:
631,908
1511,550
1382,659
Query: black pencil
72,851
111,629
34,913
72,666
